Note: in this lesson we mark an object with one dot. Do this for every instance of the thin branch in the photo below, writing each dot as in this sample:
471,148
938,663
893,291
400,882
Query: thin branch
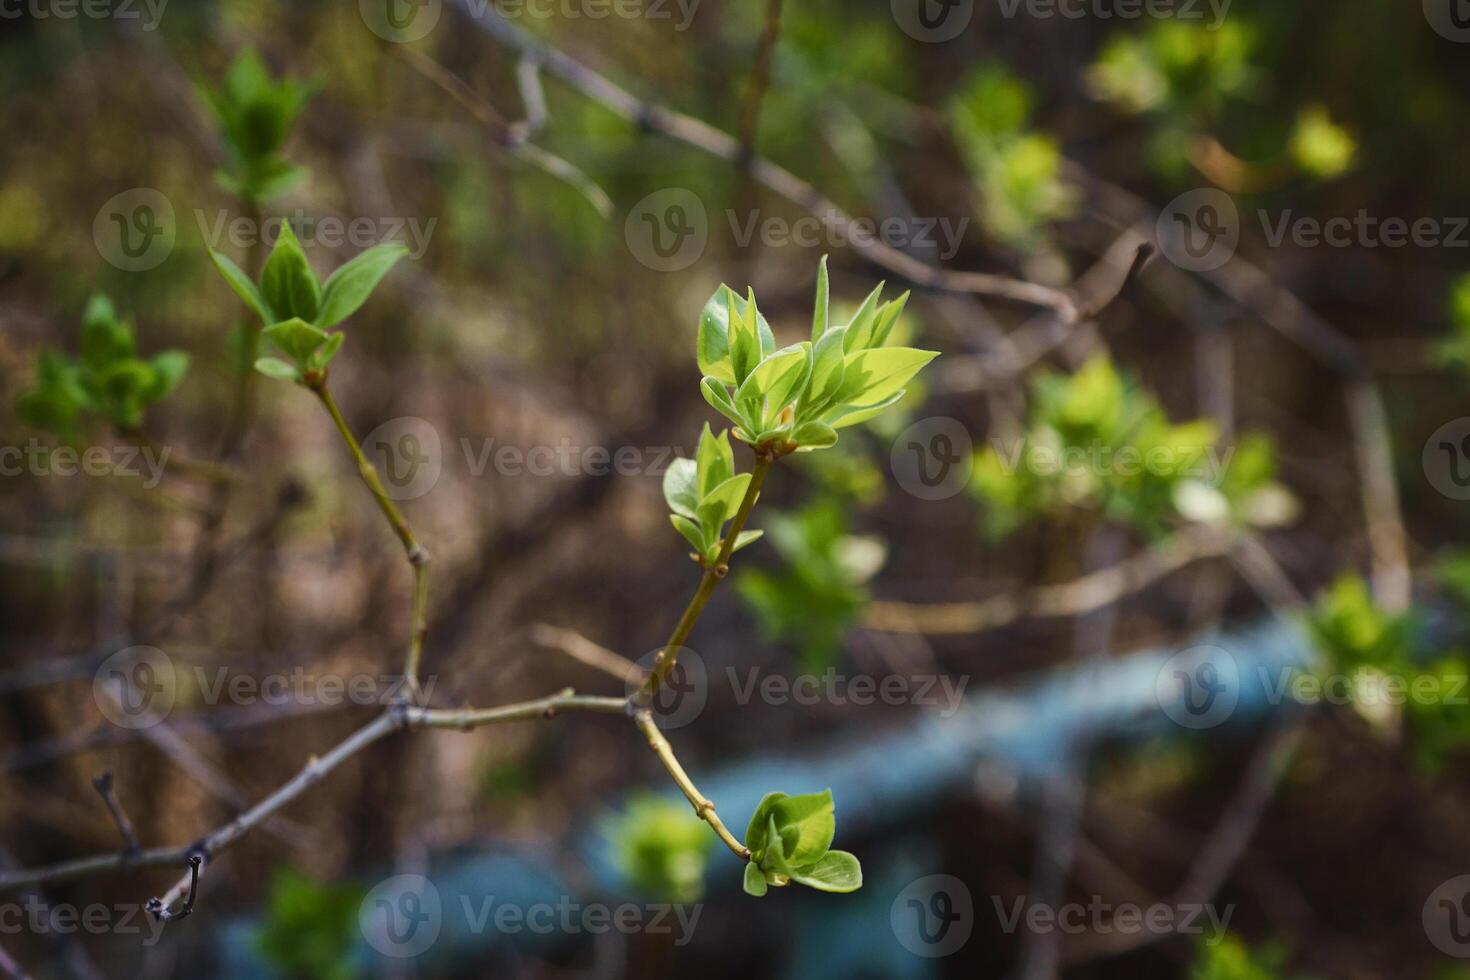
103,785
583,650
1387,539
760,78
713,573
1081,595
11,968
704,808
777,179
417,554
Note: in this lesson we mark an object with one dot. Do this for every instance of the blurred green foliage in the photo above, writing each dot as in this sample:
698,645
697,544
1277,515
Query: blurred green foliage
107,382
661,847
310,929
1229,958
255,113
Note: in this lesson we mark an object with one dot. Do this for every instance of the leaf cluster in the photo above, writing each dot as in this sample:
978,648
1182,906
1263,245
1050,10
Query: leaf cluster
255,113
704,493
661,848
297,310
108,380
790,839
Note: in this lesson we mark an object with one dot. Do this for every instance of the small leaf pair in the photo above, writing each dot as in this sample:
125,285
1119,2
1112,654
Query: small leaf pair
109,380
796,398
255,113
297,310
790,839
704,493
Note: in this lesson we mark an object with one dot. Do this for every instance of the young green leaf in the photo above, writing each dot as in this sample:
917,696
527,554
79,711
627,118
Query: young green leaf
814,435
296,337
725,498
745,341
860,327
323,355
243,287
755,880
692,533
842,418
835,871
274,367
716,460
350,286
821,310
681,487
169,368
287,282
807,825
776,378
871,376
718,396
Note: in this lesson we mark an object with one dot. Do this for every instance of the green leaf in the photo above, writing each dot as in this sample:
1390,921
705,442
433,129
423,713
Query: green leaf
287,282
860,328
746,538
691,531
776,378
828,365
745,340
274,367
888,315
871,376
836,871
681,487
807,825
728,496
350,286
821,311
713,344
716,460
104,338
718,396
169,368
243,287
815,434
323,355
755,880
296,338
842,418
755,831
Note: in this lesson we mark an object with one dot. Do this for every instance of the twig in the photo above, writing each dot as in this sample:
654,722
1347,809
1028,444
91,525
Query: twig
11,968
1387,539
760,78
713,573
704,808
417,554
103,785
1081,595
716,142
583,650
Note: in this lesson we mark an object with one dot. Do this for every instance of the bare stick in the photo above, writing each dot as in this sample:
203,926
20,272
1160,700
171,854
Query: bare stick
583,650
103,785
704,808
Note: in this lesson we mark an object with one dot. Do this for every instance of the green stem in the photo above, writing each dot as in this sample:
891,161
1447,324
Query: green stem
418,555
707,582
704,808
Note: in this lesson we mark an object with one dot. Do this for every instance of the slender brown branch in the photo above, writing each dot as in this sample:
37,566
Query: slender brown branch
1081,595
704,808
418,555
760,78
583,650
104,787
